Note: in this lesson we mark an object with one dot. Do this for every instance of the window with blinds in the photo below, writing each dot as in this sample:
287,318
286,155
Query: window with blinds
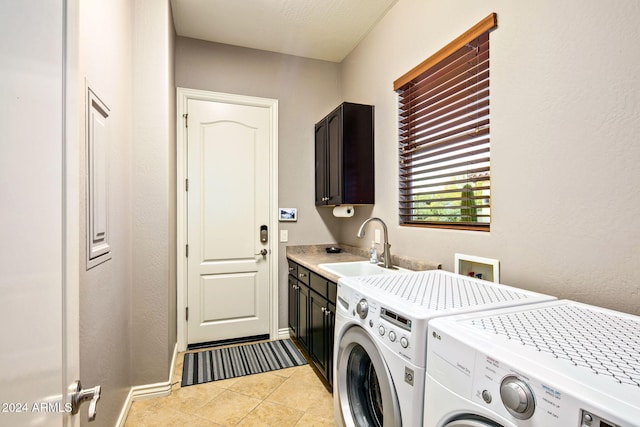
444,135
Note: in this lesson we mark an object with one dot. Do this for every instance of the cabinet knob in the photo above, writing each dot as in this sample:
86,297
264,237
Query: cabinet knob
302,275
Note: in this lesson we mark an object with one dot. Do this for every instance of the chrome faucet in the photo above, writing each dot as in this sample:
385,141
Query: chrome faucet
386,254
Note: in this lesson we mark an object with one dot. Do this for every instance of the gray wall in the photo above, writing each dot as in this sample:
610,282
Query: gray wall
128,304
153,327
105,290
306,90
565,118
563,126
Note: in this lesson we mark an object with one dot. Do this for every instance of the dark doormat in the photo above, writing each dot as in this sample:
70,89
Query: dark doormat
230,362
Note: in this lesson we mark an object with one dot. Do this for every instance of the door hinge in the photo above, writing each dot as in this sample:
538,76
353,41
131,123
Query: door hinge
186,251
186,116
186,313
186,184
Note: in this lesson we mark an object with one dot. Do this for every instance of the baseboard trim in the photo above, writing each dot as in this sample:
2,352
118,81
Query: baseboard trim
148,391
283,333
125,409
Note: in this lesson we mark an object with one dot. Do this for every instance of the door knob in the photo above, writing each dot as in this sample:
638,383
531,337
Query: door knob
79,395
262,252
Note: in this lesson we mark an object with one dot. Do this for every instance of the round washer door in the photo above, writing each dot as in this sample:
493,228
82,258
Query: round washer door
365,390
472,422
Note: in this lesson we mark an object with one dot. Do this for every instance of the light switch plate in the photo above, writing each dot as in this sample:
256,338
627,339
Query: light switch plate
284,235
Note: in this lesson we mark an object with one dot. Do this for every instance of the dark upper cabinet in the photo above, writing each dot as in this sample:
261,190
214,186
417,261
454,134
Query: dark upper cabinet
344,147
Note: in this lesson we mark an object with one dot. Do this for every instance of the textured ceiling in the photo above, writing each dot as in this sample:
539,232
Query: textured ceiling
318,29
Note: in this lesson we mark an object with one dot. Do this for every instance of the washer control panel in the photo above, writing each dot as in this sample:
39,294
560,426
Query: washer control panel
396,329
389,326
396,319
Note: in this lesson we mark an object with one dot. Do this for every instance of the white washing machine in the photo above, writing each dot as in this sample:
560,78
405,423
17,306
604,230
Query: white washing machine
380,339
556,364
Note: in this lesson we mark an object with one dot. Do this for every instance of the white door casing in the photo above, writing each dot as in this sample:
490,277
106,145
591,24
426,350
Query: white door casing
228,153
39,222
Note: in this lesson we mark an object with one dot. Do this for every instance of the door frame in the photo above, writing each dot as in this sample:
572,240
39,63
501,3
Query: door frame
71,205
183,95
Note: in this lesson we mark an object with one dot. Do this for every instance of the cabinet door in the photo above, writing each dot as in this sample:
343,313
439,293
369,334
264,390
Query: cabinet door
303,315
334,157
321,163
293,306
357,149
317,341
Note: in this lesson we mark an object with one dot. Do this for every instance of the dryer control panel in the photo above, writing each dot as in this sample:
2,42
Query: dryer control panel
592,420
555,364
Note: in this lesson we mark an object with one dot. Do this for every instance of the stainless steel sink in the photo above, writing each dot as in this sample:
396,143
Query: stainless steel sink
359,268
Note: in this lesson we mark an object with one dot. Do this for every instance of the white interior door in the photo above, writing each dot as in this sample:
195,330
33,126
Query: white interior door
39,219
228,202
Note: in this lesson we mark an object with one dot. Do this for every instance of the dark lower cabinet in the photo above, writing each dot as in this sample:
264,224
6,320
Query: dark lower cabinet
294,311
303,316
312,316
321,335
298,304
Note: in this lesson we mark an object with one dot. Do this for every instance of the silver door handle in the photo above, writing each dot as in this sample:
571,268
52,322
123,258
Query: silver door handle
262,252
79,395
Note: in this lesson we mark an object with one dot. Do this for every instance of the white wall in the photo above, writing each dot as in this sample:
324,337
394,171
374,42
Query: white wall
565,115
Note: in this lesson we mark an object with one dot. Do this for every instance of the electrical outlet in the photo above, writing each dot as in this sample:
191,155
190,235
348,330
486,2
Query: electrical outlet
284,235
376,235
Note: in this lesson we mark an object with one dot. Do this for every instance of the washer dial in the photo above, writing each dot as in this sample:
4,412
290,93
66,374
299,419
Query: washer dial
362,308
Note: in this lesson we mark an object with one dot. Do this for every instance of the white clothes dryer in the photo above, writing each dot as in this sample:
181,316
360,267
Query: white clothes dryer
380,339
556,364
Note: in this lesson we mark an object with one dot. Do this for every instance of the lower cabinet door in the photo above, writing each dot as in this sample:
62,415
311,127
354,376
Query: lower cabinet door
321,333
316,329
293,306
303,316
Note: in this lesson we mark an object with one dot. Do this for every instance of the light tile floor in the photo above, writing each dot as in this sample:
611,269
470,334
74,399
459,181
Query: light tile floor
287,397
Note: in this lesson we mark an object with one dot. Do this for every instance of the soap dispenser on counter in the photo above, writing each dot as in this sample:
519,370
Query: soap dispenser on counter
373,253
